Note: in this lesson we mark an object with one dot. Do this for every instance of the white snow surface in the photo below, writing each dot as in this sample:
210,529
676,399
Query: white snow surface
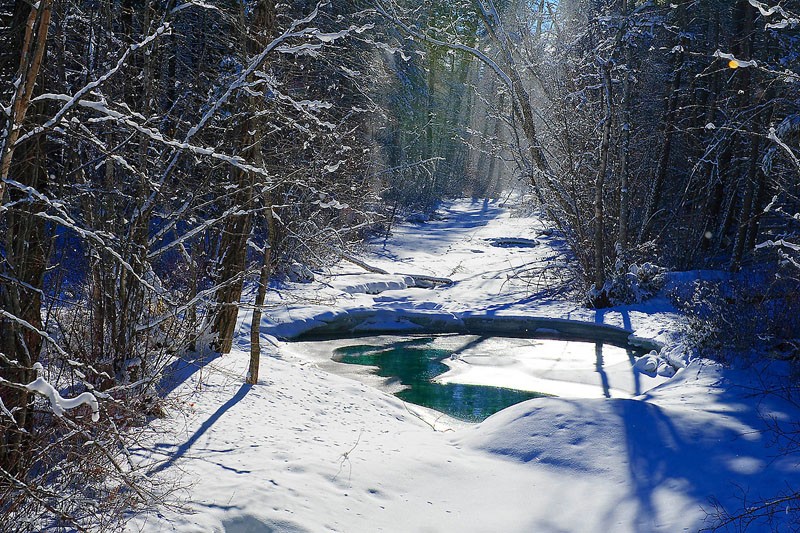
306,450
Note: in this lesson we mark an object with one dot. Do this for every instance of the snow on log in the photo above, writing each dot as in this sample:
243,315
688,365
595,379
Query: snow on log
512,242
362,264
427,282
418,280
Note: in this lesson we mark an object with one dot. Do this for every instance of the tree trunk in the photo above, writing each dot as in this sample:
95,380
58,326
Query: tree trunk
624,193
236,232
24,263
31,55
263,283
673,97
749,185
599,214
25,250
490,185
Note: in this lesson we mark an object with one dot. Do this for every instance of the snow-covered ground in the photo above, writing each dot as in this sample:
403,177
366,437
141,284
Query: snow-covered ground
307,450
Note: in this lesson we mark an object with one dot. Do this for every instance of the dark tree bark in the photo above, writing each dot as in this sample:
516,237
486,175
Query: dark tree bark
237,229
261,294
25,246
673,97
599,190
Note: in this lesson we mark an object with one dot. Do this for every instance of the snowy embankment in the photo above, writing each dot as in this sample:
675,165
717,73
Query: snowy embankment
309,451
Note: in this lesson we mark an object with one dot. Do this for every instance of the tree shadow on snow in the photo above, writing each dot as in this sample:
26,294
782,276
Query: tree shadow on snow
182,449
182,368
705,460
454,225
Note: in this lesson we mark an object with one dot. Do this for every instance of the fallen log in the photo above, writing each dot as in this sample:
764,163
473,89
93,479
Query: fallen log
420,280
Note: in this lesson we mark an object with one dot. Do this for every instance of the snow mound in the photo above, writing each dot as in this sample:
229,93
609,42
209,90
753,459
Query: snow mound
587,436
651,449
647,364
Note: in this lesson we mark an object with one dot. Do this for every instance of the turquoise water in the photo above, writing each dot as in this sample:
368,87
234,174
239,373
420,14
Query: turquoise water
414,363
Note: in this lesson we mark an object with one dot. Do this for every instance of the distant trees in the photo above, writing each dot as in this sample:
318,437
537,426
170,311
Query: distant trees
644,127
429,104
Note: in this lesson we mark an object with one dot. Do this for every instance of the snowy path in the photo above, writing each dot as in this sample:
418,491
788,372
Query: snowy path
309,451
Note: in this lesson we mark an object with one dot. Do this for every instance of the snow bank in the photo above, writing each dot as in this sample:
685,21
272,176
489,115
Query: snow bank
587,436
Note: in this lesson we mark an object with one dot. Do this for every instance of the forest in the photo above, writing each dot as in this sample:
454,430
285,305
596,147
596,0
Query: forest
166,166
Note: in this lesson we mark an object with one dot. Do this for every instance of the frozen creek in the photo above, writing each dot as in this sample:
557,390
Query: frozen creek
471,377
307,450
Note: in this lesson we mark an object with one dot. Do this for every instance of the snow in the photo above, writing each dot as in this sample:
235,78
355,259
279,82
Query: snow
656,460
373,284
765,11
58,403
307,450
568,369
647,364
735,63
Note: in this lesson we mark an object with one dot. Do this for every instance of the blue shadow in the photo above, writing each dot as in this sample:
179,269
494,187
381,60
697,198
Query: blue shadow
205,426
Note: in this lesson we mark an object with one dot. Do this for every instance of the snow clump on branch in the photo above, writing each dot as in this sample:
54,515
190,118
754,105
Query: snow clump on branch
58,403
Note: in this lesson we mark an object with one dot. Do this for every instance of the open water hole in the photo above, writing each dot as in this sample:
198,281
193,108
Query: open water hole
472,377
416,363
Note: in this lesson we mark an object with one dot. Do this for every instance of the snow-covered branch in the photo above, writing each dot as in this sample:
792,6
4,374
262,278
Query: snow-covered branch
76,98
773,136
155,135
788,20
390,15
30,327
58,403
